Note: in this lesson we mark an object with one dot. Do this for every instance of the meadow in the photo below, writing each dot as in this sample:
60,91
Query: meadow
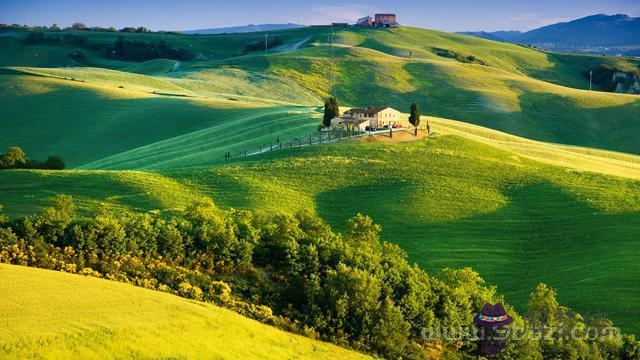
448,201
55,315
252,99
452,202
537,179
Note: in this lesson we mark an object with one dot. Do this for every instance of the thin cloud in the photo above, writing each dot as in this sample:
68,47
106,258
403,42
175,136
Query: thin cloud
530,21
343,13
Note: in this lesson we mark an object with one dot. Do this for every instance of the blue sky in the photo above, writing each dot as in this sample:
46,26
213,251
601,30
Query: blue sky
455,15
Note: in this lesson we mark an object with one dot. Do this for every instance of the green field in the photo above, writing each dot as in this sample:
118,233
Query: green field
55,315
223,101
451,202
558,203
448,201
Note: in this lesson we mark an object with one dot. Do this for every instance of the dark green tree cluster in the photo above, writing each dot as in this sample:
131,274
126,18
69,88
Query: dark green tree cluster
291,271
137,50
39,37
15,158
331,111
129,29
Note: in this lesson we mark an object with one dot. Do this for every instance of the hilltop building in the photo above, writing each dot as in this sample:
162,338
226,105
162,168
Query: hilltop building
366,21
361,118
385,20
379,20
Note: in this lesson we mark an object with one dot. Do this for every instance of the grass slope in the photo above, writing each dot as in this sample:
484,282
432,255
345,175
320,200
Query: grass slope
24,192
520,91
451,202
85,122
56,315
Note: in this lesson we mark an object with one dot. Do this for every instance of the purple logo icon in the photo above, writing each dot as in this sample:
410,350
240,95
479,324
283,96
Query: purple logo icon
491,320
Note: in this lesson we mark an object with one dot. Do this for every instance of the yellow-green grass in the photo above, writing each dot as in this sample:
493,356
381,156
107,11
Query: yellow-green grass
515,92
24,192
452,202
487,96
448,201
55,315
498,96
579,158
85,122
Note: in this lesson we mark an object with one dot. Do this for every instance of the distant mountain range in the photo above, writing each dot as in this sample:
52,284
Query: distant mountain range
606,34
244,29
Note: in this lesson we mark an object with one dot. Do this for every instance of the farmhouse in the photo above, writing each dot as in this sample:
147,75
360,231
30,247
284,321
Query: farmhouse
385,20
377,116
349,123
360,119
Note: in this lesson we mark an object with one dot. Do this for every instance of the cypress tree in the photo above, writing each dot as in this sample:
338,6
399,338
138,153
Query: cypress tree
331,110
414,118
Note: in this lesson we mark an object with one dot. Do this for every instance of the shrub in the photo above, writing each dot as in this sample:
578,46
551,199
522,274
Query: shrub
129,50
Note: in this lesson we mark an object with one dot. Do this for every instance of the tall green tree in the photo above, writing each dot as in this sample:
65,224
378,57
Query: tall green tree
331,110
414,118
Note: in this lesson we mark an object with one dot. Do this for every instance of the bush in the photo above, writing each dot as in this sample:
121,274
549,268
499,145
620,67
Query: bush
15,158
129,50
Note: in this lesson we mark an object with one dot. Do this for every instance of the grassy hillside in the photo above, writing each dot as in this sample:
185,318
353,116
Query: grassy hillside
55,315
153,105
454,202
474,199
85,122
25,192
449,201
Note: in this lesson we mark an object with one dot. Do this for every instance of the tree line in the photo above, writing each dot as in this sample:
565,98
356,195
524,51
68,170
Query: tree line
78,26
16,158
294,272
120,49
138,50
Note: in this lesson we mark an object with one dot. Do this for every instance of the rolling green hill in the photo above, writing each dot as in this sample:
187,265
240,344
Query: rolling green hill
156,106
451,202
448,201
55,315
516,208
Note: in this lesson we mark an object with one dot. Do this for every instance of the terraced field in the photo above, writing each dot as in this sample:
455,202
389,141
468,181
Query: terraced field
60,315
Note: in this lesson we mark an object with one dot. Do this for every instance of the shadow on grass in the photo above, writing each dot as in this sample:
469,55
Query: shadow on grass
542,235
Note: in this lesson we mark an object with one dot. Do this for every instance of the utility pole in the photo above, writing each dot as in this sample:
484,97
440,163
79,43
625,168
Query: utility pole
331,76
590,79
